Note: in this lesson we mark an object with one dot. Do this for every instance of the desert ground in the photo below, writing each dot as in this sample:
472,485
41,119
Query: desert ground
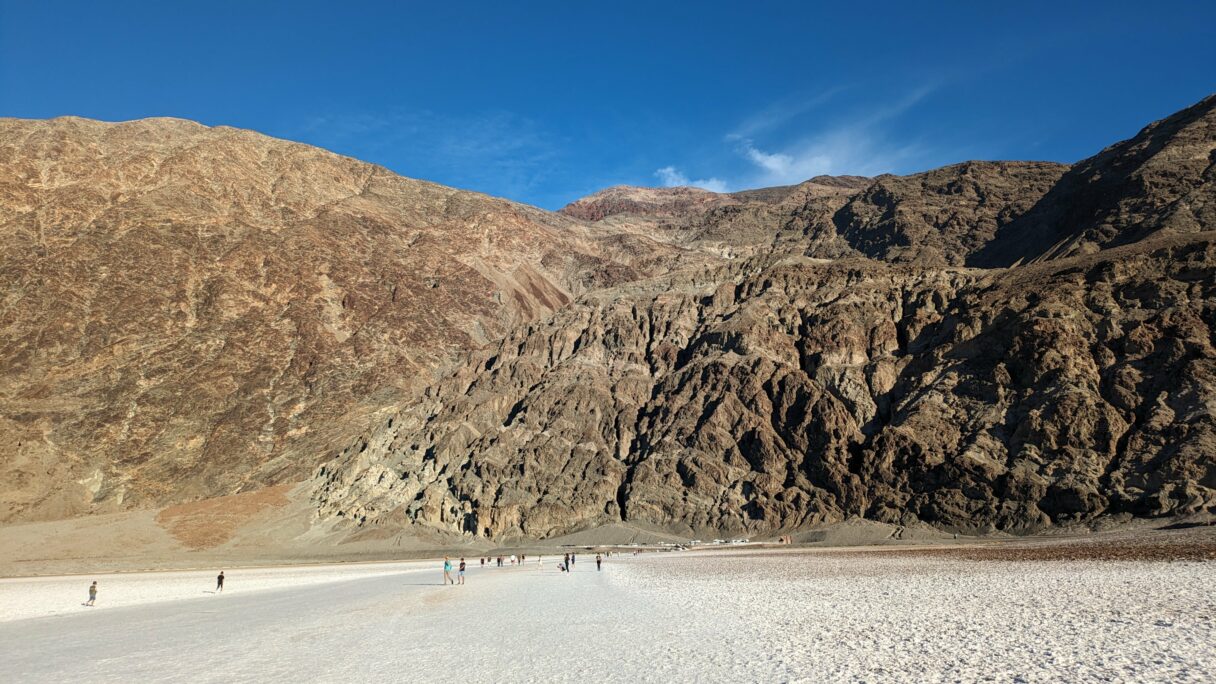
1098,610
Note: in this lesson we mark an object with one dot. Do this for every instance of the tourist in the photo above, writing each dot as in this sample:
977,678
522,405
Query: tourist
447,571
92,594
540,563
598,561
219,582
460,571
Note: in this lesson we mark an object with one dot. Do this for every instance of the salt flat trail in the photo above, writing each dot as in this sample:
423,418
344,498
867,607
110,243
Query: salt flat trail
666,617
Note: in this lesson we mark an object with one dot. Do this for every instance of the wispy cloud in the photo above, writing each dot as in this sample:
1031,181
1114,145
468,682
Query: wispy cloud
861,145
783,111
836,152
671,177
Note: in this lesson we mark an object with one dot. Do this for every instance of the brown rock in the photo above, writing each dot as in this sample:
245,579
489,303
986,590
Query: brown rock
1160,180
784,390
193,311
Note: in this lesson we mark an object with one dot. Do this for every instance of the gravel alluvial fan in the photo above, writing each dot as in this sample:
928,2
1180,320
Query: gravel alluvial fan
191,312
784,389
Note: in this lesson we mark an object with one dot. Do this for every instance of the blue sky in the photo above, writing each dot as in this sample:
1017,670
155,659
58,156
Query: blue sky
543,102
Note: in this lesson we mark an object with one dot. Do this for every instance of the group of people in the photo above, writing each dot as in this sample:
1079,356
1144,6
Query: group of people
447,571
502,561
568,561
567,565
219,588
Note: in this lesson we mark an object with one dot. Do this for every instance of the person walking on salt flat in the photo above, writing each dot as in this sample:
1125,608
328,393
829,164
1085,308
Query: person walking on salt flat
447,571
92,594
219,582
460,571
598,559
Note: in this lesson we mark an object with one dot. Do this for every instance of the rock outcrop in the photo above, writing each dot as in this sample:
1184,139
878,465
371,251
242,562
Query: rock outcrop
774,397
944,216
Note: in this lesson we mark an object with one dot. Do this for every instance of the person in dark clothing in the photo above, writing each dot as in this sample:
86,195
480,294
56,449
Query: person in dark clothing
219,582
598,560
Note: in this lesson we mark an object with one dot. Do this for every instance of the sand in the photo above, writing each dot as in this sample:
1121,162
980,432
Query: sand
791,616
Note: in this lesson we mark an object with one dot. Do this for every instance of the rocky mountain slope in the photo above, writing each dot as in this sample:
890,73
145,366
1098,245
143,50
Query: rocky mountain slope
942,217
686,202
190,311
782,390
1160,180
730,225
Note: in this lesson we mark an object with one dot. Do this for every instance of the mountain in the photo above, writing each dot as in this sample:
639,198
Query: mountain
192,311
730,225
942,217
200,325
892,381
783,395
1160,180
686,202
638,201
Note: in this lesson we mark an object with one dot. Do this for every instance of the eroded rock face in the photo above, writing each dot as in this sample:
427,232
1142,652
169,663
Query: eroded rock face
801,392
1060,392
190,311
944,216
786,389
